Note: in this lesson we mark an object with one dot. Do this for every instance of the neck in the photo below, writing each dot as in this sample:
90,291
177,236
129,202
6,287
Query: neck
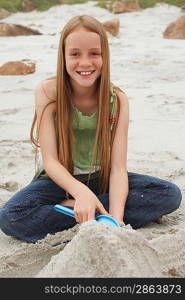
83,93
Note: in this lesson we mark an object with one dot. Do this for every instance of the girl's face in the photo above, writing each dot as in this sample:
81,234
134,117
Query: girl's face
83,57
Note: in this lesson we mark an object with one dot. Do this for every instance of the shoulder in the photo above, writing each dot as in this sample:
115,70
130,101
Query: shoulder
123,108
45,92
123,101
47,86
120,136
121,95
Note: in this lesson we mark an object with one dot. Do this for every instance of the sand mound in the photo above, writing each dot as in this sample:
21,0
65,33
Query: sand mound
101,251
19,259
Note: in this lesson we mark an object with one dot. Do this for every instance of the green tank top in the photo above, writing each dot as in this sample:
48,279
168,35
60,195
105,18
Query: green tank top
84,129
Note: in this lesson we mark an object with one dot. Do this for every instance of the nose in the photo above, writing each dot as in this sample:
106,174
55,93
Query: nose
84,62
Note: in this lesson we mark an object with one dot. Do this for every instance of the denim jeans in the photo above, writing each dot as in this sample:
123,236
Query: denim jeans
29,215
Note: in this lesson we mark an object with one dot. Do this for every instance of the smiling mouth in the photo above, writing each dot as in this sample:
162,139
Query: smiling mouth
85,73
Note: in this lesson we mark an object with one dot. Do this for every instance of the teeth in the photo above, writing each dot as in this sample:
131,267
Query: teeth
85,73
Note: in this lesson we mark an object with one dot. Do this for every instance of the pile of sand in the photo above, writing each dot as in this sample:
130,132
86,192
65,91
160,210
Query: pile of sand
101,251
96,250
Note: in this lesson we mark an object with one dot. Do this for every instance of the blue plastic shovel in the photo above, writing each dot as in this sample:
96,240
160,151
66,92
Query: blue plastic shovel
101,218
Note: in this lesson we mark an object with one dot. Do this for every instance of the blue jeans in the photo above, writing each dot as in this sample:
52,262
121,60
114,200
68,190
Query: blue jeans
29,215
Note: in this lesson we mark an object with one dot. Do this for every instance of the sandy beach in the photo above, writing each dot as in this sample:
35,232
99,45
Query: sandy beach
151,71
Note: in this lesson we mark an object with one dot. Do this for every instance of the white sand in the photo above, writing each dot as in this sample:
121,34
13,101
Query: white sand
151,70
101,251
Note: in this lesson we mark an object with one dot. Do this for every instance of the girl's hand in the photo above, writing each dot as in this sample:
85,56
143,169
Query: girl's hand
85,206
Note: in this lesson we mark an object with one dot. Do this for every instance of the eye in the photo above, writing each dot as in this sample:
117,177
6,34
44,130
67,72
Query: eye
94,53
74,54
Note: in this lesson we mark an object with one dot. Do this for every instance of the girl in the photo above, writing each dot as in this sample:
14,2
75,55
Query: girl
82,125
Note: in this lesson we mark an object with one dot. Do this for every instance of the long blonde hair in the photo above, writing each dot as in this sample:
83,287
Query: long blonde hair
64,132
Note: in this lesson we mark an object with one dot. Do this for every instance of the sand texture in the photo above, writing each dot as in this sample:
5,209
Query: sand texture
101,251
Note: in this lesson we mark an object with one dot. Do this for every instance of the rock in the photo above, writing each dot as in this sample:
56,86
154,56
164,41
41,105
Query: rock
125,6
4,13
175,30
23,67
112,26
27,6
10,186
11,164
16,30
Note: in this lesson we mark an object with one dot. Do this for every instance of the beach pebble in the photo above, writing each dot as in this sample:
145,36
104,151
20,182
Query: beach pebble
4,13
10,186
176,29
112,26
125,6
18,67
16,30
27,5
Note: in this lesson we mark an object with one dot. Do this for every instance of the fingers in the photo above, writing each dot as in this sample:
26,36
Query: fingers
77,217
83,217
80,216
91,215
77,214
102,210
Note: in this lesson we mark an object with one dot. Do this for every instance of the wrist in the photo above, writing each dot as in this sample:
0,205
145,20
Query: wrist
79,188
119,219
116,216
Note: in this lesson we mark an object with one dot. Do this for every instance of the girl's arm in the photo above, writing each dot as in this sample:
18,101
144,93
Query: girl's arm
47,140
86,201
118,181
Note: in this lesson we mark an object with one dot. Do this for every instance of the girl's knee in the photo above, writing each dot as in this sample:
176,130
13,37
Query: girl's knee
5,224
15,229
174,196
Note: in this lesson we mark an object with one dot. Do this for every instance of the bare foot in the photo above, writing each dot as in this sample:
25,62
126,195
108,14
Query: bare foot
68,202
158,220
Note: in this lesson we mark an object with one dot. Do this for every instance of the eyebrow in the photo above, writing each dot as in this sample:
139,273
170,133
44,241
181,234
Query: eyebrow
89,49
